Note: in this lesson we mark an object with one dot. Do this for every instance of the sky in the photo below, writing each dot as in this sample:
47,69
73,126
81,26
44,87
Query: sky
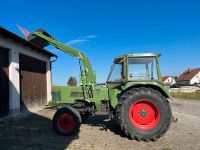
104,29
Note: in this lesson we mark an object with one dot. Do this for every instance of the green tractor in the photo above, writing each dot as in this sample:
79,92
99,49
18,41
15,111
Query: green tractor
134,94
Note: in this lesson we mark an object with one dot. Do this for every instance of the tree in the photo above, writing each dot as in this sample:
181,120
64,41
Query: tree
72,81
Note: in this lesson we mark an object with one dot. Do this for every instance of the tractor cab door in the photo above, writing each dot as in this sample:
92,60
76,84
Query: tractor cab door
116,76
116,79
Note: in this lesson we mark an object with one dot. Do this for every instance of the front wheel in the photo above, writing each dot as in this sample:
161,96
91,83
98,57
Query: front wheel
144,114
67,121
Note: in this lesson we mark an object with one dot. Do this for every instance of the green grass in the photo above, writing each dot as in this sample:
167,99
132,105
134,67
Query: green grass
56,88
184,95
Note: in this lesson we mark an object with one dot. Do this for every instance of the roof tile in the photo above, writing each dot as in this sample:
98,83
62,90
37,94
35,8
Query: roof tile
188,74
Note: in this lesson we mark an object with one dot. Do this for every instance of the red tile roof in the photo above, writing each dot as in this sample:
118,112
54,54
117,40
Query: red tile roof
188,74
165,78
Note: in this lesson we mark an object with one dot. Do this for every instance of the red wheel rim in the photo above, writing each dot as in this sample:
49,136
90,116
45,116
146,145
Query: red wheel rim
144,114
65,122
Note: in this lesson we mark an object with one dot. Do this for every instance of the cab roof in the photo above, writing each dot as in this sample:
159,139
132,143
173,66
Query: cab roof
139,55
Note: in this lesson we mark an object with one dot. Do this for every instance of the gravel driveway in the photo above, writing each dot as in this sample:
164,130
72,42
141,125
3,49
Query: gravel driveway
34,131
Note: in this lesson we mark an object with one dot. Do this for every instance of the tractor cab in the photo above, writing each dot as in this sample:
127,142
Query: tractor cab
135,67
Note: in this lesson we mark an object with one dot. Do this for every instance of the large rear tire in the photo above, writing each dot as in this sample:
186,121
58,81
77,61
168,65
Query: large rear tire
67,121
143,114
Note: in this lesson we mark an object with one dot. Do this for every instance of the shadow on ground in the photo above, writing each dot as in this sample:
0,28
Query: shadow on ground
102,122
35,131
27,130
31,131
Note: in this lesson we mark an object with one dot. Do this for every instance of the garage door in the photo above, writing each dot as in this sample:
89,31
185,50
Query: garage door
33,84
4,81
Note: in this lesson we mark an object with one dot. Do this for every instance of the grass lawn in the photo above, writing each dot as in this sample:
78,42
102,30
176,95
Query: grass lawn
183,95
56,88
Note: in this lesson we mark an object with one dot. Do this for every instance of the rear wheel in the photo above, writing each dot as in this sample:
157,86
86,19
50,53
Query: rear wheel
143,114
67,121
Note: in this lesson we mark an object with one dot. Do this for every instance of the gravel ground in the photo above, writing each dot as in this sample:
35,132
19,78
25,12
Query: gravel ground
34,131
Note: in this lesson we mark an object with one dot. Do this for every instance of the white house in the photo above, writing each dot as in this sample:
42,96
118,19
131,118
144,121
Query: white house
189,77
168,80
25,74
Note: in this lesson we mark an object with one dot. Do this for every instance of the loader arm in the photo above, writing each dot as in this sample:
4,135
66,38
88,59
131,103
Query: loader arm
88,79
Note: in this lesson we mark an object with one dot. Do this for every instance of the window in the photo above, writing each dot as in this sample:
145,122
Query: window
116,73
142,69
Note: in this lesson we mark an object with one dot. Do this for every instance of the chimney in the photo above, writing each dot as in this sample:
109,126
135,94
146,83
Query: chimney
189,70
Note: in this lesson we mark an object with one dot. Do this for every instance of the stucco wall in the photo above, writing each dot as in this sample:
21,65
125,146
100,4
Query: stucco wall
170,80
195,79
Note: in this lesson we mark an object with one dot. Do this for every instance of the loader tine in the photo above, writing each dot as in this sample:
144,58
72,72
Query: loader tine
23,31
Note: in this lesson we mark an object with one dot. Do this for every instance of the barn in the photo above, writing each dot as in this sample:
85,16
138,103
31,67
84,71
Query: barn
25,74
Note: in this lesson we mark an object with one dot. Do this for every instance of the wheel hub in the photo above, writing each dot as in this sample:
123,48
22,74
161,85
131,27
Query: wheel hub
144,114
66,122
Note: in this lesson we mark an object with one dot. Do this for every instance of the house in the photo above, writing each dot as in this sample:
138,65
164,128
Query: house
25,74
168,80
189,77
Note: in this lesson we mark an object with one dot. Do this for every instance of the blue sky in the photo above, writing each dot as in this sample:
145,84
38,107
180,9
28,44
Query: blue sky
104,29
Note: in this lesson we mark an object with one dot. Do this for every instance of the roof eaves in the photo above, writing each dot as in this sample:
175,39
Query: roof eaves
16,38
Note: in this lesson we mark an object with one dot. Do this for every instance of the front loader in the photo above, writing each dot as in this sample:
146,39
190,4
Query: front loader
134,94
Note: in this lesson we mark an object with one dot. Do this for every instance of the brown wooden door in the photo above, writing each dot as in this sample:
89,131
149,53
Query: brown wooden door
33,83
4,81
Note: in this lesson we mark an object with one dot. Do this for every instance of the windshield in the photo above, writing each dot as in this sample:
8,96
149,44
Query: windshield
142,69
115,72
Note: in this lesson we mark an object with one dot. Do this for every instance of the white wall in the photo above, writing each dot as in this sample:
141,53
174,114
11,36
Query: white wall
195,79
49,82
14,50
14,84
169,80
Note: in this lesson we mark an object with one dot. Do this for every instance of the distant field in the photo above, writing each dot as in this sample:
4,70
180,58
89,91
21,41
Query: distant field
181,95
56,88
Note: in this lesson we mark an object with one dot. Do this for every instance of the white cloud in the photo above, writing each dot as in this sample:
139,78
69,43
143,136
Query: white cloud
87,37
81,39
91,36
76,41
